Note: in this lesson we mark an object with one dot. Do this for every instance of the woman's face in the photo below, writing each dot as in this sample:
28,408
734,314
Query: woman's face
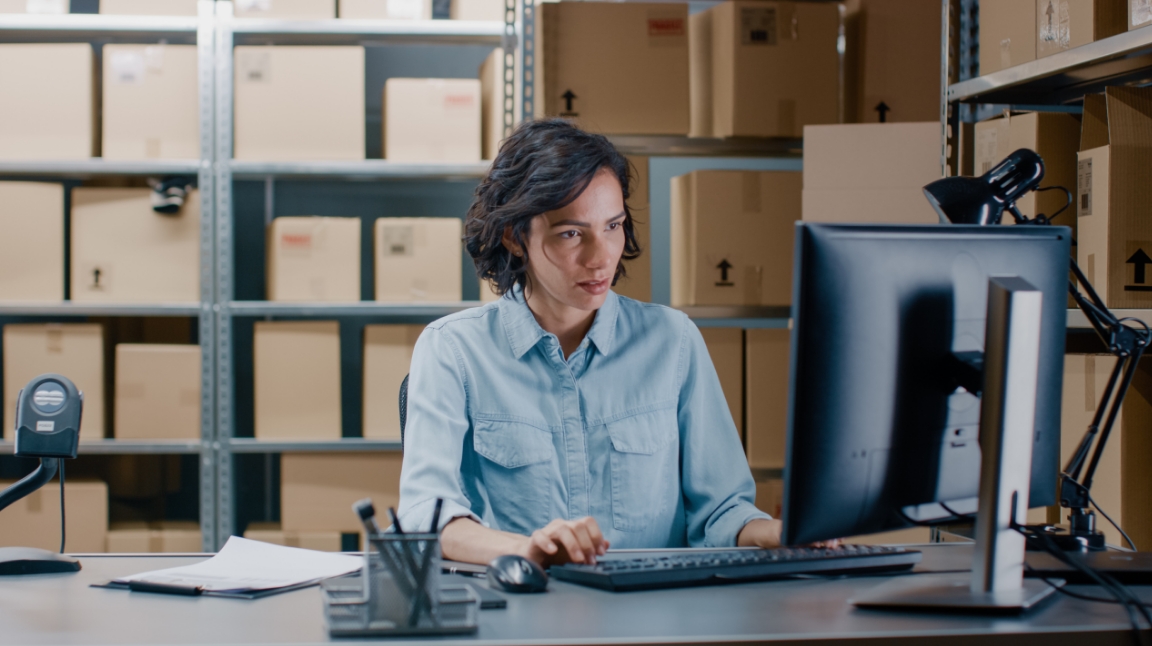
573,252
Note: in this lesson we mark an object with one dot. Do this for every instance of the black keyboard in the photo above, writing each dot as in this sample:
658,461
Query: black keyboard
733,566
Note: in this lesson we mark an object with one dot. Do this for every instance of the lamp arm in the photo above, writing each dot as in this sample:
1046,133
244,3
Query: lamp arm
1076,463
31,482
1129,372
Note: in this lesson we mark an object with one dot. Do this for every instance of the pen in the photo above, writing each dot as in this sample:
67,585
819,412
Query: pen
436,517
395,521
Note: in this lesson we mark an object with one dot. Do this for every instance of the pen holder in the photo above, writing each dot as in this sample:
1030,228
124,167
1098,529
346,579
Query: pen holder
403,579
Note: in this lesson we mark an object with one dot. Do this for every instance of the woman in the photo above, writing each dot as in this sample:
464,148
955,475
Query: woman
564,419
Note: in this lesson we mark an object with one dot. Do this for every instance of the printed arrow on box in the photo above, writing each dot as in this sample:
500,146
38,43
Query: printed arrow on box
724,266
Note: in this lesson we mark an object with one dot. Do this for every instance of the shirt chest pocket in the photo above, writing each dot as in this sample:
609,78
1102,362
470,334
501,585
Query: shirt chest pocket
517,469
645,469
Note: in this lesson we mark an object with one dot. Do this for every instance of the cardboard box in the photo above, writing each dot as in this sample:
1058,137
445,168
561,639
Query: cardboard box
870,172
34,6
909,536
286,9
1085,379
386,9
1054,136
726,347
700,74
297,372
314,259
1135,456
171,536
317,490
766,388
323,541
1007,34
75,350
1114,239
32,246
615,68
418,259
299,103
34,521
151,102
149,7
770,497
140,477
732,235
637,280
892,60
774,68
492,103
477,10
157,391
48,111
432,120
1139,14
1064,24
387,359
124,252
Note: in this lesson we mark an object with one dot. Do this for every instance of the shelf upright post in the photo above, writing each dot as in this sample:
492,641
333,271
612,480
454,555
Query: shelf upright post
508,83
527,34
225,491
205,44
949,74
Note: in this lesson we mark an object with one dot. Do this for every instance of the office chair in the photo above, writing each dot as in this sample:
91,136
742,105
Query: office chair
403,408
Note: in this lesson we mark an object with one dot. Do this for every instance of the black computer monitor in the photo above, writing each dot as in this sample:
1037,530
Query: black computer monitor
878,431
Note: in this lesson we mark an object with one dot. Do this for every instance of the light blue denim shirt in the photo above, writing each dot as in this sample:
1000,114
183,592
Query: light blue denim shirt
632,429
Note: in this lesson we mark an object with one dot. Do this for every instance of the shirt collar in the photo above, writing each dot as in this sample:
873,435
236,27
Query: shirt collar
524,332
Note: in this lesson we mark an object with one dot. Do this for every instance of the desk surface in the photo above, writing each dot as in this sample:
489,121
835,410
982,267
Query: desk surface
62,609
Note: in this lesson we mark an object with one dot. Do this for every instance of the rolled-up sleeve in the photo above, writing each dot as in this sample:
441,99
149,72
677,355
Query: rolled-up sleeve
436,430
719,492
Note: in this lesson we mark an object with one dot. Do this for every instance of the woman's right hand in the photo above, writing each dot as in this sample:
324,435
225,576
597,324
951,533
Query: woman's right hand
566,541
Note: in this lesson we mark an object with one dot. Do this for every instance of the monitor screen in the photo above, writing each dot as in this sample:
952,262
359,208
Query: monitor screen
879,432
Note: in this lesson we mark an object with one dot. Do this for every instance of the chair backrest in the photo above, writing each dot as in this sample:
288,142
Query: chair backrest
403,408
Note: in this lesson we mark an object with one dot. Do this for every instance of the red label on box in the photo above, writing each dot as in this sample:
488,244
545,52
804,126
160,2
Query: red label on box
459,101
666,27
296,240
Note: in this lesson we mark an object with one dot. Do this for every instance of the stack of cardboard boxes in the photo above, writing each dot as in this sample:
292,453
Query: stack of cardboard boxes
1013,32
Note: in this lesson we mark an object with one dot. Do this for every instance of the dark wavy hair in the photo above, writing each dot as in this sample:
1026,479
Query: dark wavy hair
543,166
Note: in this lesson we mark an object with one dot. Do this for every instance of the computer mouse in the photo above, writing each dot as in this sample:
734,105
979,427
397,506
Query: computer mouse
512,573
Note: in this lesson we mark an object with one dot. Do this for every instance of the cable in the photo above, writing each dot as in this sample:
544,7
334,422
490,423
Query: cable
1103,513
62,526
1067,203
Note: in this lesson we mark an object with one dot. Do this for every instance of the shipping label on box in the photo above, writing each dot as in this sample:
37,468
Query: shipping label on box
32,243
151,102
615,68
40,120
766,381
286,9
149,7
732,236
1139,13
432,120
34,521
1064,24
299,103
387,358
1114,235
297,374
157,391
774,68
314,259
418,259
75,350
726,348
317,490
386,9
125,252
1007,34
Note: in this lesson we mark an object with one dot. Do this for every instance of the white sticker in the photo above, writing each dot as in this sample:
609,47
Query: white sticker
1084,185
46,6
397,240
255,67
758,25
405,9
45,426
254,6
1006,53
987,145
154,58
1055,23
128,67
1139,12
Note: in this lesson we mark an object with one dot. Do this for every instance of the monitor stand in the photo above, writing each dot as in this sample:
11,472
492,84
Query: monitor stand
1007,419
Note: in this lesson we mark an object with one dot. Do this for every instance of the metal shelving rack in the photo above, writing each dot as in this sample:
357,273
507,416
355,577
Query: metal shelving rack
198,30
1054,83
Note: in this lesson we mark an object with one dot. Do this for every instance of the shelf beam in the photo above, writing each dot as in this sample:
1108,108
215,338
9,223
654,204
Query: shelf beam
97,167
71,308
675,146
127,447
366,169
365,32
77,27
344,445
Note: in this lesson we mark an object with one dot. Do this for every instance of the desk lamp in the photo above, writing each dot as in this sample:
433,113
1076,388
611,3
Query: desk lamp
47,427
983,200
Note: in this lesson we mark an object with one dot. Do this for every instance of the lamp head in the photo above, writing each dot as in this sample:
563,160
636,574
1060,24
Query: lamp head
982,200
